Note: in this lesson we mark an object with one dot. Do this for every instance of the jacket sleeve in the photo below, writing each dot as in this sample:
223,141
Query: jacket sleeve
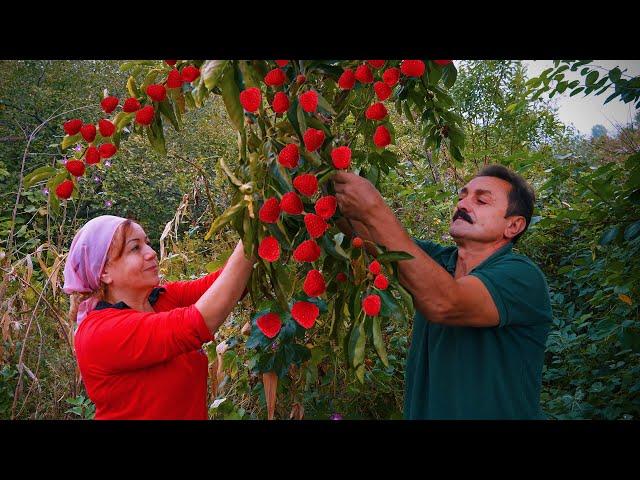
115,341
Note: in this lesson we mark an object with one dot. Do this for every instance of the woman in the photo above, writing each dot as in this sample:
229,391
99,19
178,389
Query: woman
138,344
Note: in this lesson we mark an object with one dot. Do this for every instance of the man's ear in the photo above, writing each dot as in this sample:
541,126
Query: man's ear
515,225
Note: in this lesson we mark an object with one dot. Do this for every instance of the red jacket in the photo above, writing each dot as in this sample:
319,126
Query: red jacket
143,365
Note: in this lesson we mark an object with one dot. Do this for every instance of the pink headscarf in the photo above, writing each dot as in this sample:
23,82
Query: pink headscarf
86,259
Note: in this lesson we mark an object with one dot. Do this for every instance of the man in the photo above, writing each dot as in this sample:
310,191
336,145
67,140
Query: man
482,312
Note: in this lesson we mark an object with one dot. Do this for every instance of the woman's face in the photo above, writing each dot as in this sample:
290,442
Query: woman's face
137,267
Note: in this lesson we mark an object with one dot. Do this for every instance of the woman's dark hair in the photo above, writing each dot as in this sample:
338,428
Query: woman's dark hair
521,195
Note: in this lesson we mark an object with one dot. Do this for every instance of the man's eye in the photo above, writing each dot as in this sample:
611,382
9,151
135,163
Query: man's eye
481,202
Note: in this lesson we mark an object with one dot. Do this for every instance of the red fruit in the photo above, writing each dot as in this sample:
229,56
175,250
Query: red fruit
316,226
376,63
107,150
174,79
309,101
306,184
88,132
307,251
269,249
391,76
291,203
72,126
289,156
144,116
347,80
65,189
75,167
251,98
442,63
171,63
371,305
106,128
300,79
269,324
190,73
341,277
313,139
381,137
314,285
412,68
281,63
157,93
383,91
131,104
280,102
326,206
341,157
357,242
109,104
92,156
305,313
377,111
363,74
275,78
381,282
270,211
375,267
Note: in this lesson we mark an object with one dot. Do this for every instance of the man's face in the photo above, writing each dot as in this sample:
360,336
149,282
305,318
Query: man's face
481,209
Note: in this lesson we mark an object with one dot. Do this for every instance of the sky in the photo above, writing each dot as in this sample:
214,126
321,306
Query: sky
585,112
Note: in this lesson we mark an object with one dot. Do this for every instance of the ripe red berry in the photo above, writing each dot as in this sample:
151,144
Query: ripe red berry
109,104
375,267
313,139
131,105
383,91
92,155
347,80
106,128
377,111
270,211
107,150
391,76
289,156
381,137
65,189
72,126
251,99
291,203
269,324
363,74
281,63
157,93
307,251
269,249
316,226
306,184
309,101
357,242
376,63
144,116
300,79
190,73
275,78
442,63
88,132
305,313
371,305
75,167
341,277
171,63
280,102
314,285
381,282
174,79
326,206
412,68
341,157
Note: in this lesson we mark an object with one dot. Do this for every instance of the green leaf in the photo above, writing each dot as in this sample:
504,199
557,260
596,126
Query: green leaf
609,235
407,112
632,231
378,342
615,74
225,218
576,91
155,134
591,78
322,103
38,175
394,256
132,87
231,98
166,109
67,141
212,71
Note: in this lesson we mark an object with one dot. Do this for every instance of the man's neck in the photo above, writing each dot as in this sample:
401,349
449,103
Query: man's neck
137,300
472,254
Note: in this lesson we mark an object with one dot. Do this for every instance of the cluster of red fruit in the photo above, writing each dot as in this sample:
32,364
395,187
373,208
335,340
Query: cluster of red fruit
143,116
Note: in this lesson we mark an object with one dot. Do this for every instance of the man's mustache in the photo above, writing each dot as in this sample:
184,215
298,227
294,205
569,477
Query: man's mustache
463,215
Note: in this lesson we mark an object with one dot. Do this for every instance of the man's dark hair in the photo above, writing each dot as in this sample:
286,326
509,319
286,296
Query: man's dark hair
521,195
